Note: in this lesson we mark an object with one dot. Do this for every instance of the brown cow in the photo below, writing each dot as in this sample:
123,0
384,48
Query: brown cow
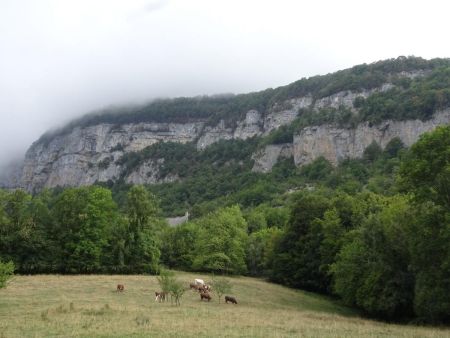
161,296
120,287
205,295
230,299
193,286
204,288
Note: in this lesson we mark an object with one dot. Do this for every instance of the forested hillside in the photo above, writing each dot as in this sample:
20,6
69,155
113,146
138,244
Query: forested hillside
371,230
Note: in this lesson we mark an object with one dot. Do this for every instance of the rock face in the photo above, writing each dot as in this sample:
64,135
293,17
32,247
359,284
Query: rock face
266,158
336,144
90,154
214,134
285,113
86,155
251,126
347,97
148,172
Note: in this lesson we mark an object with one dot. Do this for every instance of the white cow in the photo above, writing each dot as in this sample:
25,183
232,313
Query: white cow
199,282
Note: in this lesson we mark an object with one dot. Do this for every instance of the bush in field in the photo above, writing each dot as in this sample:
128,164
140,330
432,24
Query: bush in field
220,286
169,284
165,280
6,271
177,290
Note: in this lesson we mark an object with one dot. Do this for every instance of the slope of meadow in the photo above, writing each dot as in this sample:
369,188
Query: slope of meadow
89,306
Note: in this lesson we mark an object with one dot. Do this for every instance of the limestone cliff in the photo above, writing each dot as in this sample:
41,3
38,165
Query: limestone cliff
336,144
87,155
93,152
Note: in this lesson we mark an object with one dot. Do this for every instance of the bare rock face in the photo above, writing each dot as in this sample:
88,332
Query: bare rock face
148,172
90,154
336,144
347,97
285,112
266,158
250,126
214,134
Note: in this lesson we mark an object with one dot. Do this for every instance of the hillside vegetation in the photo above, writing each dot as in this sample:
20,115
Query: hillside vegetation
89,306
372,232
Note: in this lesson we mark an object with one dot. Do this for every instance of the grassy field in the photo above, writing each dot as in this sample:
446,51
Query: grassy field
89,306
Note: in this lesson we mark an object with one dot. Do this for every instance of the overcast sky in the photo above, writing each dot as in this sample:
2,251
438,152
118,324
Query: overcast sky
62,58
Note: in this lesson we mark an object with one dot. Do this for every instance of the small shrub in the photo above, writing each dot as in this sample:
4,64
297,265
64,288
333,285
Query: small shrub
6,272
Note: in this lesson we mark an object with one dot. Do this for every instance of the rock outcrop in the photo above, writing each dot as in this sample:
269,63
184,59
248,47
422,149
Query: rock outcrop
336,144
87,155
267,157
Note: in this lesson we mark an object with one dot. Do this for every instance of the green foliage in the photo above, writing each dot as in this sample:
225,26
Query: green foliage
429,235
260,250
220,286
6,272
420,100
256,220
165,279
141,248
319,170
297,253
372,152
177,290
83,222
178,246
393,148
170,284
221,242
25,231
426,171
372,269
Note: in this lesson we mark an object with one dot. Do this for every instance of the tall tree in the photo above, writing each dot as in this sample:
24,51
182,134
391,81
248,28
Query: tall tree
221,242
426,174
84,218
142,251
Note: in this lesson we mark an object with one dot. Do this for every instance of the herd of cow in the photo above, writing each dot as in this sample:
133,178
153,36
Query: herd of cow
203,288
198,285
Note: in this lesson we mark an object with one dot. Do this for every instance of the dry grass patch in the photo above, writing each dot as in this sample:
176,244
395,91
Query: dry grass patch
90,306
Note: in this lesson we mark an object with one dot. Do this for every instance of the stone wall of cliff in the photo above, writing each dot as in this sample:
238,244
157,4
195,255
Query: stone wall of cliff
85,155
336,144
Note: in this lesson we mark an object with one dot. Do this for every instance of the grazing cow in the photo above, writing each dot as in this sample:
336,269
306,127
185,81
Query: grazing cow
120,287
205,295
160,296
204,288
193,286
199,281
230,299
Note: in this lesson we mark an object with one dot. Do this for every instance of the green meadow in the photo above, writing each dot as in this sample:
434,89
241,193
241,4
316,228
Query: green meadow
90,306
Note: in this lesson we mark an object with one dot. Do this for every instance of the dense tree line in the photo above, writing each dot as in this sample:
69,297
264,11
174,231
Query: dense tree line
79,230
